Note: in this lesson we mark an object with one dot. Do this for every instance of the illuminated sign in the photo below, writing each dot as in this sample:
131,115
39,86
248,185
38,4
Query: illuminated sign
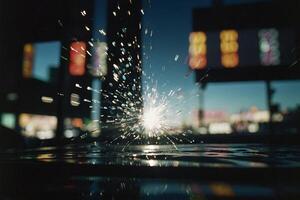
197,50
99,68
28,60
245,43
229,48
269,47
39,126
77,58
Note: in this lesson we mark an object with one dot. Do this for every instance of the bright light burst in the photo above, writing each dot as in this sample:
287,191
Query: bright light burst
151,123
137,117
154,118
151,119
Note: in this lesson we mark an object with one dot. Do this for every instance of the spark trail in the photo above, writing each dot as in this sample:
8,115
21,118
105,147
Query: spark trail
139,117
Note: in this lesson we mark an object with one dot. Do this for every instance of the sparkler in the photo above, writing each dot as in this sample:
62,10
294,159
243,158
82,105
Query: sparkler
135,116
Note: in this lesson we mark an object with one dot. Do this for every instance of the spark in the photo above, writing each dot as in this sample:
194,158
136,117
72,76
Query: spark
60,23
64,58
102,32
83,13
78,85
87,28
139,117
88,53
91,44
116,66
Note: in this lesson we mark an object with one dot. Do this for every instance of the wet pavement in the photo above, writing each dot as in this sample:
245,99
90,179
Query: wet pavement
195,155
196,171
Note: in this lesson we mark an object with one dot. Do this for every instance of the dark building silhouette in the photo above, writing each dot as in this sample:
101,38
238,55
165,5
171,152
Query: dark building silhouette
121,99
32,22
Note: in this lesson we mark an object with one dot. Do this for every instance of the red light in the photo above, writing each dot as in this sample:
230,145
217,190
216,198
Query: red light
77,58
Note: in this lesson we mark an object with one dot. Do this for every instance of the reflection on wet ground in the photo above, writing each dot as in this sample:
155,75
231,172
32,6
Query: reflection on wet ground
205,171
203,155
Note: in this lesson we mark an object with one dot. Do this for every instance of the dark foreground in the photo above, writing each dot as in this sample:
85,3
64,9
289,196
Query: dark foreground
205,171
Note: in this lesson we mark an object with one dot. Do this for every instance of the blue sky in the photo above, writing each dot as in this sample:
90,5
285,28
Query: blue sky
171,23
47,54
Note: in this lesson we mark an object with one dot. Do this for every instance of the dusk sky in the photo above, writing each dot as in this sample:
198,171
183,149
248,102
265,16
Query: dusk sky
47,55
171,23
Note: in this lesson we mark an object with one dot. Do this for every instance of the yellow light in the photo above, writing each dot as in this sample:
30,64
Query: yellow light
28,48
229,35
197,50
198,37
223,190
28,60
229,48
230,60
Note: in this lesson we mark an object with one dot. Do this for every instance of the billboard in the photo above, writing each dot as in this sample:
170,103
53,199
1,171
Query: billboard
77,58
244,42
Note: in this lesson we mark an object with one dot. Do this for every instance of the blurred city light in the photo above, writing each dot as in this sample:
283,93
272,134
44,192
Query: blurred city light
229,48
197,50
77,58
269,47
38,126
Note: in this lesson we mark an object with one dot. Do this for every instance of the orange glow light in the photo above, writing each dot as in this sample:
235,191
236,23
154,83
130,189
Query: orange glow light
198,62
198,37
230,60
197,50
77,58
229,48
28,60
